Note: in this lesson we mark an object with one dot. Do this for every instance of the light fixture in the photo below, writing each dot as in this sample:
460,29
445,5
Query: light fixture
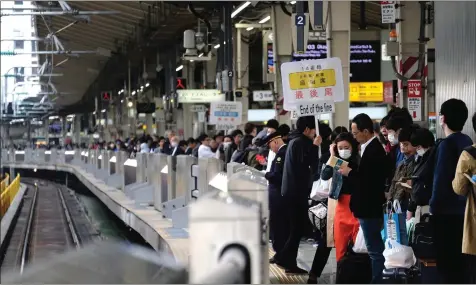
264,20
94,113
179,68
147,84
133,93
122,101
249,29
200,55
292,2
103,111
142,87
130,104
217,46
239,9
191,60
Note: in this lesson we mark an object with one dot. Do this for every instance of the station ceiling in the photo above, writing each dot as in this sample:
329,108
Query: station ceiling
158,22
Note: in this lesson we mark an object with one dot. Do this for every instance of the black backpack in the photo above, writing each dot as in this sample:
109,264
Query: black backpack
423,241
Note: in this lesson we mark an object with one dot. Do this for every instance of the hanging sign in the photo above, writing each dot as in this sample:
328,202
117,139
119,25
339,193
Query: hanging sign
366,92
225,115
388,12
200,96
312,80
415,99
263,95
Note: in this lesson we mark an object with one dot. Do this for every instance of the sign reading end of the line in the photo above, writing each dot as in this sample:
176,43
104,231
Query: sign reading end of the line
314,108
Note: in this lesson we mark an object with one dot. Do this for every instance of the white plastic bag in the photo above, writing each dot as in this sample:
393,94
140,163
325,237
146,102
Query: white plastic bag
360,246
320,190
397,255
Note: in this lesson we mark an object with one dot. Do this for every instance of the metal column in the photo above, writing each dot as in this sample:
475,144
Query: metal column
338,27
228,48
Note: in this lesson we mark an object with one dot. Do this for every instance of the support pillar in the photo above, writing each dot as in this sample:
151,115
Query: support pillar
46,129
28,133
338,45
228,48
408,33
77,129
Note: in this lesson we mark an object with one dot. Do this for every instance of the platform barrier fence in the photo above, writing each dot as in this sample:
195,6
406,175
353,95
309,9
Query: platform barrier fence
4,183
8,195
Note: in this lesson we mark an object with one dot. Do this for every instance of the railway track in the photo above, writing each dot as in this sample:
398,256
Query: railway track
44,227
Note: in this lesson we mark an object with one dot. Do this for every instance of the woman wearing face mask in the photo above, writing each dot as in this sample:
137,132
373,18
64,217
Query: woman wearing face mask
346,226
422,177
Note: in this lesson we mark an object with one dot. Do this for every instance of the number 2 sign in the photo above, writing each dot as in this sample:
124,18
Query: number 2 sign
300,20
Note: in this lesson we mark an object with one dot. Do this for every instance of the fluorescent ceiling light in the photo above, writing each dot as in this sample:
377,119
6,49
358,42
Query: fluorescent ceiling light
122,101
191,60
200,55
147,84
133,93
217,46
265,19
239,9
179,68
292,2
249,29
103,111
142,87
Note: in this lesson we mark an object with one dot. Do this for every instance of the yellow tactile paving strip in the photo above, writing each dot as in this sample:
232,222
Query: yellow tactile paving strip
277,275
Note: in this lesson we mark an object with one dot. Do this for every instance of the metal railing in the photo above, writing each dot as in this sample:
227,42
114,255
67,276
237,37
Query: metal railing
4,183
8,195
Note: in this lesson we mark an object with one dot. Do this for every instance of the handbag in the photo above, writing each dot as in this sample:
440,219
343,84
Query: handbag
320,189
354,268
318,216
422,241
395,227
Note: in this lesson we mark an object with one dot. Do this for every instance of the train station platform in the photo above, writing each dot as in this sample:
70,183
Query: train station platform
163,230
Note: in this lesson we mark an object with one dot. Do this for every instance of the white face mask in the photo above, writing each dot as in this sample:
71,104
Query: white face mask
226,144
392,139
174,144
421,151
345,153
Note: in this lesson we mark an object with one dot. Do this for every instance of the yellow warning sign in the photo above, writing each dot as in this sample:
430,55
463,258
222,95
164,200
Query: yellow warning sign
312,79
366,92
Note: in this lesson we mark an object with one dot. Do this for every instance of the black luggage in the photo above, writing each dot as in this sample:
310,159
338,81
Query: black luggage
354,268
423,242
401,276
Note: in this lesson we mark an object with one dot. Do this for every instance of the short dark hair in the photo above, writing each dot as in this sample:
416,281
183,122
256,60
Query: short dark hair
338,130
406,133
305,122
363,122
423,137
183,143
228,136
384,120
324,130
236,133
284,129
400,118
191,140
474,121
249,127
272,124
348,137
202,137
456,114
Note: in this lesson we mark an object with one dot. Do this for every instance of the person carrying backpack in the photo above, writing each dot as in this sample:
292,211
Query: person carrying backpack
464,186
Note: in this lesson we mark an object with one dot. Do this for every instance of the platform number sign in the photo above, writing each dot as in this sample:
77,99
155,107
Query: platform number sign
300,20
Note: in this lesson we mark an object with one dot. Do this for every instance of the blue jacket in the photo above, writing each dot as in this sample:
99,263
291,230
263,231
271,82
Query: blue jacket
443,199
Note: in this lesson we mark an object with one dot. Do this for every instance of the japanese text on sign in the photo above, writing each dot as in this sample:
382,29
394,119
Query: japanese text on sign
227,113
388,12
414,99
314,108
312,80
200,96
263,95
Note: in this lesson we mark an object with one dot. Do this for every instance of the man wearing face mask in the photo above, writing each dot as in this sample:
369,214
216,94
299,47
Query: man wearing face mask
422,177
174,145
278,230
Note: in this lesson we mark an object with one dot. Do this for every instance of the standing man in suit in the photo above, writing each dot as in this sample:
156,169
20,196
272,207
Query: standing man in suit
368,195
174,146
277,207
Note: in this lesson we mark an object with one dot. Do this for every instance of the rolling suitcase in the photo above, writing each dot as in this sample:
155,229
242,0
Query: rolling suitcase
354,268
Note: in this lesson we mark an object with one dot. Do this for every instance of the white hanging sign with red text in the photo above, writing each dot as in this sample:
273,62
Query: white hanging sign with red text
308,82
415,95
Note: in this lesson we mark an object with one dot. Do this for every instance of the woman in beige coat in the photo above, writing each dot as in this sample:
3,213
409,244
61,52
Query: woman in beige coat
464,186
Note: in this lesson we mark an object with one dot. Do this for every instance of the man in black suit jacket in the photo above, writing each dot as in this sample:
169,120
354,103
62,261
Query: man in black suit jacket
368,191
174,146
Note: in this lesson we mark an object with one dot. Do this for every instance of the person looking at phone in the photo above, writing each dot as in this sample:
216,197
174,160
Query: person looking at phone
399,188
